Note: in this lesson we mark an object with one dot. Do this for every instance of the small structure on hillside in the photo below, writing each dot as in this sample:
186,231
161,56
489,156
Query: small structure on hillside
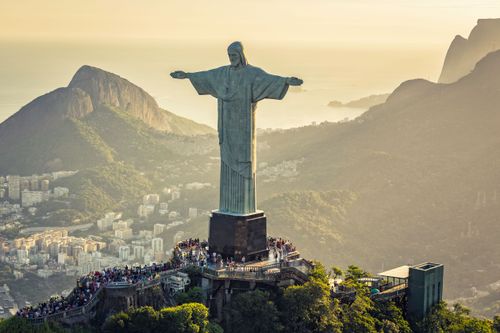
422,283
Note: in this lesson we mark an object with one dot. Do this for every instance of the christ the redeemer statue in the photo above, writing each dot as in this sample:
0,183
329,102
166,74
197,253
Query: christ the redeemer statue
238,87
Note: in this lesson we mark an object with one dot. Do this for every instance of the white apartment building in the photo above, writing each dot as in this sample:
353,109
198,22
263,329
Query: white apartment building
157,245
139,252
159,228
124,234
124,253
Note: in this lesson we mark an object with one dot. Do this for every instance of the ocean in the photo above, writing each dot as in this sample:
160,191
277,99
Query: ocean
29,69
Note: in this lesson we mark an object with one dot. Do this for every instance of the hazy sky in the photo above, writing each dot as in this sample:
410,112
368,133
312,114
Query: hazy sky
326,21
343,49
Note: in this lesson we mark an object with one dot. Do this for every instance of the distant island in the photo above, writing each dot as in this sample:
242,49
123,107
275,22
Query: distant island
362,103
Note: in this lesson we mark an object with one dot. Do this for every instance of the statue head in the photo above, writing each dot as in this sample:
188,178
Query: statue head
236,55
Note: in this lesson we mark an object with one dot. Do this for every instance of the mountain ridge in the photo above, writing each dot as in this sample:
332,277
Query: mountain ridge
416,165
464,53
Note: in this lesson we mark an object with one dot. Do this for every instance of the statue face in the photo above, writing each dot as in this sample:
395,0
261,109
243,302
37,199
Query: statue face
234,58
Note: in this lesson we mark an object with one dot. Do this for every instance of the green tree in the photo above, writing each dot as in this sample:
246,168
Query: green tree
390,318
21,325
193,295
357,317
336,272
355,273
309,308
458,320
117,323
185,318
319,273
246,307
142,320
496,323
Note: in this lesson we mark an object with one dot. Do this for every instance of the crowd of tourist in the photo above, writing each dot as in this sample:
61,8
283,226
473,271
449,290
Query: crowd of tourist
279,248
88,285
186,253
191,251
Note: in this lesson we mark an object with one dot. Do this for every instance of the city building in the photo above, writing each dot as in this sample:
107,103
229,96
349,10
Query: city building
157,245
151,199
425,288
147,234
59,192
163,208
107,221
178,282
139,252
62,174
197,186
174,224
104,224
14,186
76,250
124,253
31,198
24,185
34,184
173,215
44,273
23,256
54,249
44,185
61,258
159,228
120,225
145,210
175,194
125,233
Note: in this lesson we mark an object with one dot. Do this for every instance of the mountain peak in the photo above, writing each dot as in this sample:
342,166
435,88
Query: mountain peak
410,90
106,88
463,54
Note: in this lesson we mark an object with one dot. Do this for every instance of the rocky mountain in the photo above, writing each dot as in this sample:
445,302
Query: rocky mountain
419,178
362,103
98,118
114,133
463,54
106,88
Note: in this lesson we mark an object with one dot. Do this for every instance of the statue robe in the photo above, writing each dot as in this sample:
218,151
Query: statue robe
237,92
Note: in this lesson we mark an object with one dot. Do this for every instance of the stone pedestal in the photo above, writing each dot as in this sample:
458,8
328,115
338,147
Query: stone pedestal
238,236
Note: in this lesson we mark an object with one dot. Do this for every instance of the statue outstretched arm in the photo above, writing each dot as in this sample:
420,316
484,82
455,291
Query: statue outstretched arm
179,75
205,82
294,81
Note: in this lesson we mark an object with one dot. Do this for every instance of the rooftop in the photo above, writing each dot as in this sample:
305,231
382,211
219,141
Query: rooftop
426,266
401,272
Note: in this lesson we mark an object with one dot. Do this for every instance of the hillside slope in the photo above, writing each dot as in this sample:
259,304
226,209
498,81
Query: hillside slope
98,118
425,169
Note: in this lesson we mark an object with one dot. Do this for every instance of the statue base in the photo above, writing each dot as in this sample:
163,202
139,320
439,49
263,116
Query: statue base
238,236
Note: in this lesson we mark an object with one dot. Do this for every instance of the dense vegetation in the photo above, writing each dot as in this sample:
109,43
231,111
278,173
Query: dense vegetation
185,318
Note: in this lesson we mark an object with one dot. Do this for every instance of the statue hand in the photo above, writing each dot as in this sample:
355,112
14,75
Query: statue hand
178,75
294,81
